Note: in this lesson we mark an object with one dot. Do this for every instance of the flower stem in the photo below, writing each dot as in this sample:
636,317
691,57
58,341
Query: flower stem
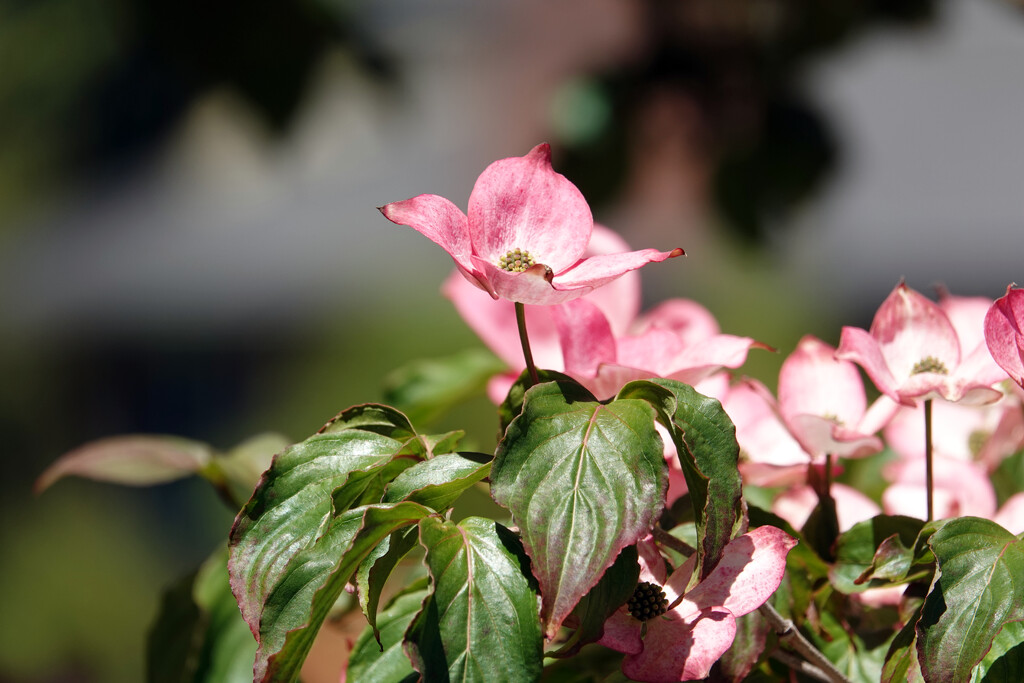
928,480
788,633
525,340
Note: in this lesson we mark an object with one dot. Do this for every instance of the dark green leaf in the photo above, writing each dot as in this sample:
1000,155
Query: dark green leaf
387,663
296,497
483,612
426,389
438,482
705,441
373,573
513,403
1005,661
856,548
583,480
200,637
312,582
901,665
978,589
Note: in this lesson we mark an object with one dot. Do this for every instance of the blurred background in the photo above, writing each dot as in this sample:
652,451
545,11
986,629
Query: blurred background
189,242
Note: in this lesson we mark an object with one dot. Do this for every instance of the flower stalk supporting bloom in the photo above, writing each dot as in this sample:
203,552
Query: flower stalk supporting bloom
928,467
524,339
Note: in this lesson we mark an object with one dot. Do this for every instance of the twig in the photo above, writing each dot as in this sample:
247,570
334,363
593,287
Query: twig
677,544
789,634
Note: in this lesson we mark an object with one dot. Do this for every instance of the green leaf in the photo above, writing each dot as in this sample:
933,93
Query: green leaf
313,580
513,403
438,482
1008,478
617,585
483,612
901,665
199,635
387,663
978,587
705,441
427,389
1005,661
582,480
892,535
135,460
238,471
373,573
304,487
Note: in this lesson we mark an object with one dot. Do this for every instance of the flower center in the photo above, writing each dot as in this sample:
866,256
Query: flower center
929,364
516,261
648,601
976,441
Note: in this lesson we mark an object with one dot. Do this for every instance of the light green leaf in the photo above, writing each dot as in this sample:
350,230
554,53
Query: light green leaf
133,460
427,389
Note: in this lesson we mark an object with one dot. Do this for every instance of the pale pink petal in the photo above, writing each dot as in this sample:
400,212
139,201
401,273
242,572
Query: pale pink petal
654,350
652,564
813,382
710,355
690,321
619,299
585,336
622,633
596,271
444,224
1004,333
749,571
955,430
1007,437
494,321
960,488
860,347
967,315
796,505
523,203
910,328
611,377
822,436
1011,514
878,415
682,649
761,435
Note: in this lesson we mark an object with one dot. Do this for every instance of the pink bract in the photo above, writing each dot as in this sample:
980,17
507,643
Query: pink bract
822,401
685,642
522,204
912,352
677,340
1004,333
494,321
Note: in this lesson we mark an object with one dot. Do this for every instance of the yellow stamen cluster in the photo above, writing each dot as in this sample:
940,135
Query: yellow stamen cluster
515,261
648,601
929,364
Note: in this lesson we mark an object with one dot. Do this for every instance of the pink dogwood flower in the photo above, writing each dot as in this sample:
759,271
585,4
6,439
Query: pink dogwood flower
960,488
525,235
1004,333
494,321
678,340
682,643
913,352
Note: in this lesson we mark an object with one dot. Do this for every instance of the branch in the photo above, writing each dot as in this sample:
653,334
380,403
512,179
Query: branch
824,670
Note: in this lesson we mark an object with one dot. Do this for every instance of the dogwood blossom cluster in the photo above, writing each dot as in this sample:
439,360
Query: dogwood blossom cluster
583,318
